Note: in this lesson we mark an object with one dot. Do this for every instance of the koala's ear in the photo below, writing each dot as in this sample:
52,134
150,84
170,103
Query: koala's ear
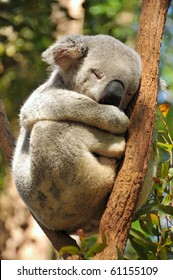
65,51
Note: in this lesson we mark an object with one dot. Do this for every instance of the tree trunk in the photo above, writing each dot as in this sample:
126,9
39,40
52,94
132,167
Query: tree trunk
116,221
68,16
7,142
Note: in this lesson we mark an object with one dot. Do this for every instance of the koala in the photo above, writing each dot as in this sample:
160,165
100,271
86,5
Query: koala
72,131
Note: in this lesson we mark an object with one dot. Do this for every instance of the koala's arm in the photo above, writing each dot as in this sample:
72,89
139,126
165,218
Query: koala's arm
62,105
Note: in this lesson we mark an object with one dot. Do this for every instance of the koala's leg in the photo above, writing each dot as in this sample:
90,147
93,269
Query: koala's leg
106,147
103,143
21,166
76,144
64,177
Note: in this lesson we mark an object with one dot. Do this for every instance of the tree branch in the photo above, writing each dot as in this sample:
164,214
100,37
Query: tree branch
58,239
7,142
116,221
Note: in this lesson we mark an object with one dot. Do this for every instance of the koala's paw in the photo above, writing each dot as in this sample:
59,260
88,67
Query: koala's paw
115,119
118,148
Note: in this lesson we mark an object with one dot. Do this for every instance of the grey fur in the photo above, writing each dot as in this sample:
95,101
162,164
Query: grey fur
69,144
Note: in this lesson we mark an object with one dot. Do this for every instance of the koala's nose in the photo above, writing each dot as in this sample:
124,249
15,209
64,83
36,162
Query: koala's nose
112,93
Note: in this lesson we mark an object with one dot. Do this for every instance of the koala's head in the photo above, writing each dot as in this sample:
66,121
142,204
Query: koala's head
100,67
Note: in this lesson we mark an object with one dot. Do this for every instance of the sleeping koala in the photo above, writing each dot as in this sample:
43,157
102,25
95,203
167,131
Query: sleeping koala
72,131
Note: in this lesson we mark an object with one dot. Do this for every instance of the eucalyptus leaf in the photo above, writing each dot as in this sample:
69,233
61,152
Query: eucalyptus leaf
72,250
167,147
166,209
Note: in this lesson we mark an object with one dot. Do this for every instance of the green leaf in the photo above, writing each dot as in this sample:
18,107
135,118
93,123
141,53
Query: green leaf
88,243
166,209
96,248
167,199
145,209
170,172
163,169
138,234
168,242
165,146
154,219
142,240
91,240
140,250
146,227
150,256
72,250
163,253
148,222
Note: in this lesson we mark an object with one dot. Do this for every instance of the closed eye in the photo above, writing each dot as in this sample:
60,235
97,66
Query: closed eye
96,74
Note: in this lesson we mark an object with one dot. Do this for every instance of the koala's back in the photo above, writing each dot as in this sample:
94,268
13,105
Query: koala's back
60,198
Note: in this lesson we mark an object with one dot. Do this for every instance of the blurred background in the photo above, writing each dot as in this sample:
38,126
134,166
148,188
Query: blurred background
27,28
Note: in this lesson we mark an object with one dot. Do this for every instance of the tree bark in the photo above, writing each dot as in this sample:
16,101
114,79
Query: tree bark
7,142
116,221
58,239
68,16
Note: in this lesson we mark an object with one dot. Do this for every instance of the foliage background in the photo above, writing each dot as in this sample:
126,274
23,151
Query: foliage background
26,29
